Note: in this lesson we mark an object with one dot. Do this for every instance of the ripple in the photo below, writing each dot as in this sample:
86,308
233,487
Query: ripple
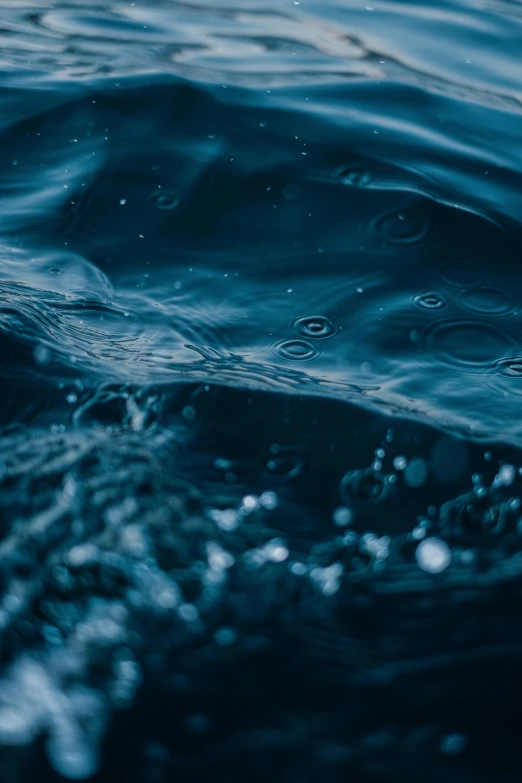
461,275
509,366
471,345
486,300
430,301
316,327
296,350
406,227
165,201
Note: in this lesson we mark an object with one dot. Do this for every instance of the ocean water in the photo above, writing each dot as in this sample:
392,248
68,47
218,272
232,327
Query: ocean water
261,353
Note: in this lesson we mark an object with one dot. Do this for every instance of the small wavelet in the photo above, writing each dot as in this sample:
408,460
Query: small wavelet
471,345
487,301
407,227
165,201
430,301
296,350
315,327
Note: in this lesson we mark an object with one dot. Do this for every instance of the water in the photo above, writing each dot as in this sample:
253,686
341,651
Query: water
261,346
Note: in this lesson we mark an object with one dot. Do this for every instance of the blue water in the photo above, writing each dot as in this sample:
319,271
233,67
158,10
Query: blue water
261,350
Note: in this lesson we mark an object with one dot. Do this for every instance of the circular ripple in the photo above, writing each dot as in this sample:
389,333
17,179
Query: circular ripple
316,327
509,367
486,300
461,275
406,227
468,344
430,301
356,176
296,350
165,201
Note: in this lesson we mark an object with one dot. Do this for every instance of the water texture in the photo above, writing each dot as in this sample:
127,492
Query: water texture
261,351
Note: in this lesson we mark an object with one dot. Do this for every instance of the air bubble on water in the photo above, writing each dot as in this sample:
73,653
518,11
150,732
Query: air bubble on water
399,463
433,555
218,558
299,569
416,472
379,548
269,500
168,598
72,398
328,579
249,504
342,516
275,550
380,453
505,476
123,201
227,519
42,355
189,613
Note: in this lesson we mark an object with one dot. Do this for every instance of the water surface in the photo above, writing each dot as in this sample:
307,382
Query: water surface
261,345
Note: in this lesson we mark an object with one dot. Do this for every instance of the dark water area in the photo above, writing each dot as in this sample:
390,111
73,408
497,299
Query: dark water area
261,352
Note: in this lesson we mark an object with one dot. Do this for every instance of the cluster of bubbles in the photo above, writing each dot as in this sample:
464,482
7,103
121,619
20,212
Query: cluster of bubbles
108,544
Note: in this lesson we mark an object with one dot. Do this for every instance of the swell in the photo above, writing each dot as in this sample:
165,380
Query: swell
193,257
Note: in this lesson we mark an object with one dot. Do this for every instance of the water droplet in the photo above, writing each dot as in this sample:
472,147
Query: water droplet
296,350
356,176
490,301
467,344
430,301
402,228
165,201
317,327
433,555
